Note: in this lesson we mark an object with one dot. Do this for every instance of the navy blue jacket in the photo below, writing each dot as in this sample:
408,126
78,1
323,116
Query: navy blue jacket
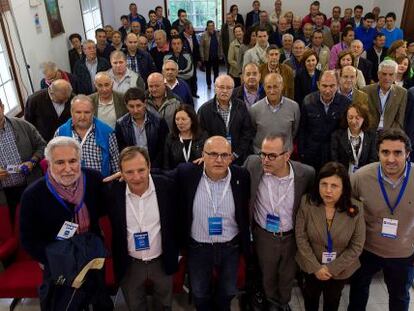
317,126
188,177
84,77
42,216
165,190
156,130
145,63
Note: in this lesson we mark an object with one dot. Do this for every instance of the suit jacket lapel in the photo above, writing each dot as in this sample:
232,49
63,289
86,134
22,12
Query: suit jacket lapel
319,218
121,206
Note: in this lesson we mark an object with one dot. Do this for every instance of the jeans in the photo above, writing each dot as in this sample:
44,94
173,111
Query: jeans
398,276
203,261
212,63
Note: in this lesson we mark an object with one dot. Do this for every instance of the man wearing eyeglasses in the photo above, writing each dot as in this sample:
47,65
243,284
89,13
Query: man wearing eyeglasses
228,117
277,185
214,202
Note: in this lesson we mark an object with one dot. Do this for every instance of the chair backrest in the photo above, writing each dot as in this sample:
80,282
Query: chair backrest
21,255
106,228
6,229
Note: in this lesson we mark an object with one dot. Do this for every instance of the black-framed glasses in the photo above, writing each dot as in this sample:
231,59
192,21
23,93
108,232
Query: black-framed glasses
270,156
216,155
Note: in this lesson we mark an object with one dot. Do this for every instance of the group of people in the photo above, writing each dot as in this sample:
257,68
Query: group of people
299,165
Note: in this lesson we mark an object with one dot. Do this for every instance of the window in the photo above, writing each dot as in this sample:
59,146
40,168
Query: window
8,91
92,18
198,11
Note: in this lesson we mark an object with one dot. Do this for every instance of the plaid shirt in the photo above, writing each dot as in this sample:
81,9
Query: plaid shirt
92,154
132,63
225,114
9,155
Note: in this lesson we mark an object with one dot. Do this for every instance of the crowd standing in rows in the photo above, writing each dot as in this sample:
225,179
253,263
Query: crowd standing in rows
297,167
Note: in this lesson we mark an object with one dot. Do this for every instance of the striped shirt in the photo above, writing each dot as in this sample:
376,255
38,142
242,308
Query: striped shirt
203,209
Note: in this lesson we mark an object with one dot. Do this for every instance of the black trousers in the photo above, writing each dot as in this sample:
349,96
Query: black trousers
13,195
331,289
212,63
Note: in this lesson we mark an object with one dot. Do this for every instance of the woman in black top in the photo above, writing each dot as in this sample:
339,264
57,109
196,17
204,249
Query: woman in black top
403,74
76,53
354,145
307,76
185,142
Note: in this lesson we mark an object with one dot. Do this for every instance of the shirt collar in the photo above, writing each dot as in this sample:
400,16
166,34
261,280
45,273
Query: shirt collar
172,86
219,108
277,106
217,181
324,103
288,177
390,181
361,134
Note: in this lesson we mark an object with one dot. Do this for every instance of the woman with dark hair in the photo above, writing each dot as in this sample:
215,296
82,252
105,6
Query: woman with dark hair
185,142
346,58
249,41
76,52
307,76
354,145
238,18
404,66
330,236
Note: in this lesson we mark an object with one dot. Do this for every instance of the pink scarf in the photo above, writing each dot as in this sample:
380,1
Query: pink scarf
74,195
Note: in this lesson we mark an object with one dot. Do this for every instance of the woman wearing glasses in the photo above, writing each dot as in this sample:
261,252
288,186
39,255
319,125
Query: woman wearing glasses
354,145
185,142
330,235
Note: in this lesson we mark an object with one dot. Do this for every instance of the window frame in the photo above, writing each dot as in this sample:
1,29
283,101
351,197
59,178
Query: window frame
83,20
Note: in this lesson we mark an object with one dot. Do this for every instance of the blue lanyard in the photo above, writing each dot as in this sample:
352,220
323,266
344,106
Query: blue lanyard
402,190
60,200
330,242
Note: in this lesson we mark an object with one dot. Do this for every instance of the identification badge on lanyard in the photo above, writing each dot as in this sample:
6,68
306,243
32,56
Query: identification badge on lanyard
389,228
13,169
215,225
272,223
328,257
67,231
141,240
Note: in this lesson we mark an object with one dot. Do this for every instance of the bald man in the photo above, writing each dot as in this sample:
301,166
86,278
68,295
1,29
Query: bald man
228,117
320,116
108,105
49,108
275,113
160,99
215,200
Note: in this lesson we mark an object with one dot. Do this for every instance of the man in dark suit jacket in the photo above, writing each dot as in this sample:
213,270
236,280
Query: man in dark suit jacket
253,16
48,109
86,68
276,248
191,45
214,203
361,63
320,116
229,118
137,60
144,227
376,54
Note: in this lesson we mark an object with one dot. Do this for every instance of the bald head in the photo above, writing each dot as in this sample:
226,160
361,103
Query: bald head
217,157
60,91
156,86
214,141
224,86
328,85
104,84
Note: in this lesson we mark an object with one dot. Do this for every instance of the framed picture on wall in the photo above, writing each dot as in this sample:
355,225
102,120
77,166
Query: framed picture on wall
53,17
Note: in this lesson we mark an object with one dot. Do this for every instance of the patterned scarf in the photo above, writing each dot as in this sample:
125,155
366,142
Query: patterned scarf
74,195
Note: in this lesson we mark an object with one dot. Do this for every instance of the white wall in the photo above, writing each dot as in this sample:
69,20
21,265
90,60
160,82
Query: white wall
121,8
38,44
108,12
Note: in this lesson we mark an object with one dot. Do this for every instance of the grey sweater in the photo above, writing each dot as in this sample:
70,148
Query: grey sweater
266,121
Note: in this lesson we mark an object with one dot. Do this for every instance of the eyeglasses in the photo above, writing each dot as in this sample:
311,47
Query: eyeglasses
224,87
215,155
271,156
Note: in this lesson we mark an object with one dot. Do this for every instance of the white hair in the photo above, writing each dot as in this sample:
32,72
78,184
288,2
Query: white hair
170,61
287,35
388,63
62,141
81,97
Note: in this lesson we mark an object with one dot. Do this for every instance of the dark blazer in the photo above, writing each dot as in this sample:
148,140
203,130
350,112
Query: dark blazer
84,77
304,176
74,56
373,58
188,177
195,52
249,19
146,65
42,216
366,67
303,84
240,126
39,111
156,130
341,150
317,126
239,19
238,92
173,150
394,115
165,191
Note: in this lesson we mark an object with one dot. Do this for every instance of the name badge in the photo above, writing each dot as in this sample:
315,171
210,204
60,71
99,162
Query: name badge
67,231
215,225
328,257
272,223
389,228
141,240
13,169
